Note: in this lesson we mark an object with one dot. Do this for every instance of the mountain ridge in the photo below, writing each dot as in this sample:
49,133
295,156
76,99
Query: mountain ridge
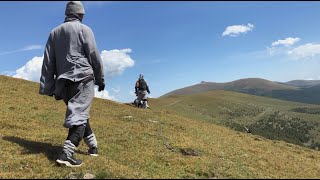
240,83
297,91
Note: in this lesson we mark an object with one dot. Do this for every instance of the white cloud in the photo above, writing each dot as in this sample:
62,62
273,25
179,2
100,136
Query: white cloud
30,71
305,51
236,30
281,50
103,94
31,47
27,48
286,42
116,90
284,47
116,61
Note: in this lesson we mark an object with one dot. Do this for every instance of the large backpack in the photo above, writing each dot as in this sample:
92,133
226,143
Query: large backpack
142,85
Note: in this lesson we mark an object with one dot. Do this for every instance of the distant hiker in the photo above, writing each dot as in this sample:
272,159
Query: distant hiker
141,90
247,130
71,67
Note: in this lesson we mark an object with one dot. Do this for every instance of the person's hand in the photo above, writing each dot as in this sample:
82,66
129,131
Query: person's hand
101,87
148,92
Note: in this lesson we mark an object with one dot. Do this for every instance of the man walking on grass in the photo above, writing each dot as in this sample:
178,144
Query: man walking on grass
71,67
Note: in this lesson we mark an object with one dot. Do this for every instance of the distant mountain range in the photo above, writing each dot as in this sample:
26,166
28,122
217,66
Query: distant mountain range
303,83
306,91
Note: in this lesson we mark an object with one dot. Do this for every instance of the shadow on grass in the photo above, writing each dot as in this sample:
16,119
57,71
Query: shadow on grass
33,147
134,106
81,152
129,104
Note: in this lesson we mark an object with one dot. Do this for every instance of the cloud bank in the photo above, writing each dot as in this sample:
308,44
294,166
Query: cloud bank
286,42
30,71
115,62
309,50
285,47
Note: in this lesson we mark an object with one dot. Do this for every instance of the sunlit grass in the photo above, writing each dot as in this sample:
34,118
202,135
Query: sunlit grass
145,146
292,122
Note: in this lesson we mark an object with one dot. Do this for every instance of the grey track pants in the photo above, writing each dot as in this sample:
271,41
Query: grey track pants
78,97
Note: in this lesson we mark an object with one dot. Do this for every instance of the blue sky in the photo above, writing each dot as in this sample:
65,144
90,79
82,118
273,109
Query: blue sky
174,44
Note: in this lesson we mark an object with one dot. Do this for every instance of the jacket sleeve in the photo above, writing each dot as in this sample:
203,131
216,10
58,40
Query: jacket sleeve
48,71
93,55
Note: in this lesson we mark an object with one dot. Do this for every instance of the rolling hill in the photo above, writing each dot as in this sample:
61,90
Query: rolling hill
297,91
136,143
271,118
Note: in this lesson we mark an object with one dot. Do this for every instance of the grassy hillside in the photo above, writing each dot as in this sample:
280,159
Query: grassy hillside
136,143
292,122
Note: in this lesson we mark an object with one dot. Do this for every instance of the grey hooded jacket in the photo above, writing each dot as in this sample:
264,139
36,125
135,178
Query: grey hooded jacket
71,53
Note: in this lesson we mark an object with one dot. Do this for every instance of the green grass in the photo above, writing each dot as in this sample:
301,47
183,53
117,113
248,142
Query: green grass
152,144
292,122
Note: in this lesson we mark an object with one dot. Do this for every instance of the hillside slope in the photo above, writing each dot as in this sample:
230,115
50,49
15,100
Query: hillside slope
135,143
292,122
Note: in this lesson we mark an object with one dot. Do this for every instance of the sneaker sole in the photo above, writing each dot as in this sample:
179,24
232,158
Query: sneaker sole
67,163
95,155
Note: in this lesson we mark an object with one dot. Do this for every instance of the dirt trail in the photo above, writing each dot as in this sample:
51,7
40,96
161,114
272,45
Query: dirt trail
172,103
